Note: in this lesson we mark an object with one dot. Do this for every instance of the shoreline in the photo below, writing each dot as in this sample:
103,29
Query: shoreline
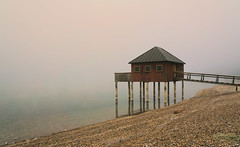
152,127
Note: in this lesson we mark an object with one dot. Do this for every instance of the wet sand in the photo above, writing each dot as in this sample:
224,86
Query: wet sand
211,118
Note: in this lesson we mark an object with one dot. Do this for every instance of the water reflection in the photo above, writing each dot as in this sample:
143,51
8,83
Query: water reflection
143,107
158,103
129,107
116,106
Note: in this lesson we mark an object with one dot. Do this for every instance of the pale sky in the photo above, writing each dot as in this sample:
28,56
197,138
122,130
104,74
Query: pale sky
74,46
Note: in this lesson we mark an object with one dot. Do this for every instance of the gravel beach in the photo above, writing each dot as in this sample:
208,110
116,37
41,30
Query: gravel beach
211,118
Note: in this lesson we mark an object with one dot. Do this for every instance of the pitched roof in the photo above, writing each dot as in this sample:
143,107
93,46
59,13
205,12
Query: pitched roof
156,54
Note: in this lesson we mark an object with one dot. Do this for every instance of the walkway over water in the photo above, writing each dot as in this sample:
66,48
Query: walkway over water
209,78
193,77
177,76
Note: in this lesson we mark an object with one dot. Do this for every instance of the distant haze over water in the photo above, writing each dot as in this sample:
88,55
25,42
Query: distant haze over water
37,116
58,58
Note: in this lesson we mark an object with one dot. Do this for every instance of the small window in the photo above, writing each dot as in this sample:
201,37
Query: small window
181,68
148,68
159,68
137,68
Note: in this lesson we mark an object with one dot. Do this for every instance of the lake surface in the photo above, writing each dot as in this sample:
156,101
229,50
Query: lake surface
25,118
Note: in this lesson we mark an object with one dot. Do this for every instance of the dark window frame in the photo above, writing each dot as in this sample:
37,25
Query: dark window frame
135,68
145,68
157,68
181,69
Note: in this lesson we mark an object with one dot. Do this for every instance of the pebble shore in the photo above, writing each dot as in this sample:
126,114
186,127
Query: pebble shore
212,118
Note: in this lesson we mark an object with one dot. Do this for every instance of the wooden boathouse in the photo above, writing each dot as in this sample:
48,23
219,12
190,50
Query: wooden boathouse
158,65
155,65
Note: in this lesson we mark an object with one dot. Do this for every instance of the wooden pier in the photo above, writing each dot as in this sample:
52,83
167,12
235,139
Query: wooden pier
144,92
184,76
208,78
158,65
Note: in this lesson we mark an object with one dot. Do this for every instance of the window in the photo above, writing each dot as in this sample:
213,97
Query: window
137,68
159,68
147,68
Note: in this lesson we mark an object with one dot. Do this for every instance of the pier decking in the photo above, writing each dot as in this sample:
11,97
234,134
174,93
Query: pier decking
177,76
208,78
190,76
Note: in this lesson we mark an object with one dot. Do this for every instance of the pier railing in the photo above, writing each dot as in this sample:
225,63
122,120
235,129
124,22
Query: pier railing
123,77
208,78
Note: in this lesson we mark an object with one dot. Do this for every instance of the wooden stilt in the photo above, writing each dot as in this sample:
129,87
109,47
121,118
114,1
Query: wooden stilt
182,90
154,96
147,105
132,91
165,94
168,89
158,94
129,92
147,89
131,97
140,96
143,96
116,90
116,106
175,95
236,88
129,107
132,112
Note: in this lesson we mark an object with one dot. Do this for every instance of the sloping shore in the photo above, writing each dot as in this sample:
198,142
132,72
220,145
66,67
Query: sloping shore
210,118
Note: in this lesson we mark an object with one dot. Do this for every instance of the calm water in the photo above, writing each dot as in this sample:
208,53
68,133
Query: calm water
23,118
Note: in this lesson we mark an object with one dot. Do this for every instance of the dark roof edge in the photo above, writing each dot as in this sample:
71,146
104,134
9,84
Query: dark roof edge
157,62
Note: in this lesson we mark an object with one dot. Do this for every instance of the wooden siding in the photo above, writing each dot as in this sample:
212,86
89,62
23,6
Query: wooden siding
155,76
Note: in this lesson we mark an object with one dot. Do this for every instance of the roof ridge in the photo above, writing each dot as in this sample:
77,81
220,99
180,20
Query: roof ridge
156,54
161,52
142,54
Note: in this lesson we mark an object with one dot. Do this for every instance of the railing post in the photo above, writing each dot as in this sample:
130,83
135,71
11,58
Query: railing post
233,80
217,79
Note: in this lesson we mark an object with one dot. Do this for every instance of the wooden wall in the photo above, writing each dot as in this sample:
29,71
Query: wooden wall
154,76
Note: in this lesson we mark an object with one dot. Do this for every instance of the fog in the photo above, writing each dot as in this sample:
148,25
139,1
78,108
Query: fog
72,48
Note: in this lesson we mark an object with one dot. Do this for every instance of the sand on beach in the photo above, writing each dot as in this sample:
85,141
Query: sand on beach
212,117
